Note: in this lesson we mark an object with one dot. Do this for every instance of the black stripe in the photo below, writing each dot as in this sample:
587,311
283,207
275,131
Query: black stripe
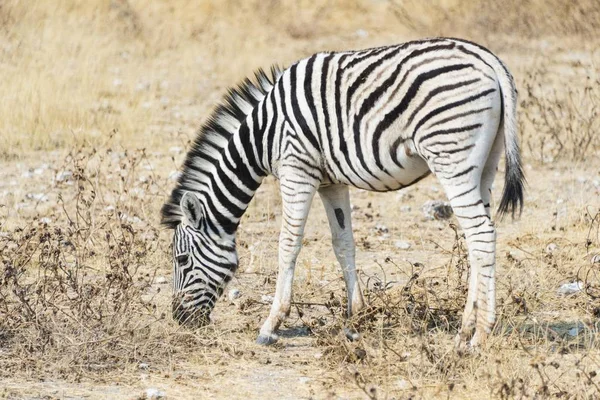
449,106
436,91
306,131
448,132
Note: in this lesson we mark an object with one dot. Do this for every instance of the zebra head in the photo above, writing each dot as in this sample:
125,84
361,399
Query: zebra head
203,264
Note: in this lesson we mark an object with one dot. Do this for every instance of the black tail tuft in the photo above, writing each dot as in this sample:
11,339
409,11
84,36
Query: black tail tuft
512,196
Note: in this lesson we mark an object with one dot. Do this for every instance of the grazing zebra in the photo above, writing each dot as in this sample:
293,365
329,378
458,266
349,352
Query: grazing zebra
379,119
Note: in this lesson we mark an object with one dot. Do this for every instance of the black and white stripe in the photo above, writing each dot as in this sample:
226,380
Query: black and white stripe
379,119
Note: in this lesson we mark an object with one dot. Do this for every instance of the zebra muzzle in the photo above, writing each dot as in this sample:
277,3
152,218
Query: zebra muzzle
191,317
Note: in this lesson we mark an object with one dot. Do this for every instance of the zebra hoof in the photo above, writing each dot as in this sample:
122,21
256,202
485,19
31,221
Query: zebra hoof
351,334
267,340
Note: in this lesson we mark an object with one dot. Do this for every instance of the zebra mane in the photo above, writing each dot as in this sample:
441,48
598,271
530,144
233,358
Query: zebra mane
224,121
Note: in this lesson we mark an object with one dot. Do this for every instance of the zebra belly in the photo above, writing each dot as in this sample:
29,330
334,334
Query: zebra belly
409,168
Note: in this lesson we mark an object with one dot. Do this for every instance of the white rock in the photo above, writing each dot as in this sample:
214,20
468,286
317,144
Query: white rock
559,201
63,176
234,294
41,197
265,298
551,248
403,384
161,280
402,245
437,209
143,366
45,220
304,379
154,394
570,288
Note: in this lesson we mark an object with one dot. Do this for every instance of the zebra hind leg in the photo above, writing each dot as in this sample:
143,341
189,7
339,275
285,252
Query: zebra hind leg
336,199
486,295
480,234
297,192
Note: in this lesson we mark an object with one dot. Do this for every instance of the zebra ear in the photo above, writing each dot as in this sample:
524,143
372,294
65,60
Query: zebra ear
192,209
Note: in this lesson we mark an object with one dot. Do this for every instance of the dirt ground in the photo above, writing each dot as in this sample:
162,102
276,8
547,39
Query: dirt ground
102,103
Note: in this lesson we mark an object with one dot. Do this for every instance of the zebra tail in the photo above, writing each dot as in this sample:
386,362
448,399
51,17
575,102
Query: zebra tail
512,196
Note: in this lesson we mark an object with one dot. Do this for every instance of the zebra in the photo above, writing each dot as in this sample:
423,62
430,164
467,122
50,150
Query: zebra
379,119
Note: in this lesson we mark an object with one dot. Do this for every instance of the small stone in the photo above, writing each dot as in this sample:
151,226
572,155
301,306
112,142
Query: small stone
403,384
437,209
304,379
551,248
265,298
45,220
161,280
380,228
234,294
570,288
143,366
154,394
402,245
41,197
64,176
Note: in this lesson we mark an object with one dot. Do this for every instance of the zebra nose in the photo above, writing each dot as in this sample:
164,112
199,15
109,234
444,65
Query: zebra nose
194,317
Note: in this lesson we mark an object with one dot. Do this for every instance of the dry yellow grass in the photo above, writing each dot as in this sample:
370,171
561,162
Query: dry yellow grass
99,101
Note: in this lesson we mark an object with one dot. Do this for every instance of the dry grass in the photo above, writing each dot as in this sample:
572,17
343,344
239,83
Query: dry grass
100,99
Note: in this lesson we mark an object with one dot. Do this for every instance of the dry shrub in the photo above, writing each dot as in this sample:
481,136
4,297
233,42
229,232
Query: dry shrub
560,122
78,292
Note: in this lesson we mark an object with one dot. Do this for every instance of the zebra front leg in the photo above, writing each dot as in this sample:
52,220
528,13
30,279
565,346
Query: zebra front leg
336,199
297,192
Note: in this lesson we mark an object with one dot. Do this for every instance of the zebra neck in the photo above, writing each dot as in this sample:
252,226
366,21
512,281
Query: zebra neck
233,181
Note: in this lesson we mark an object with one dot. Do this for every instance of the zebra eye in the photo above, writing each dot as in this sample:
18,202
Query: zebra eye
182,259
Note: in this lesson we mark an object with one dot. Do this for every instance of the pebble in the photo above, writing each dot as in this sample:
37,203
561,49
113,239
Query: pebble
64,176
437,209
570,288
143,366
381,228
551,248
402,245
41,197
154,394
403,384
266,298
161,280
234,294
